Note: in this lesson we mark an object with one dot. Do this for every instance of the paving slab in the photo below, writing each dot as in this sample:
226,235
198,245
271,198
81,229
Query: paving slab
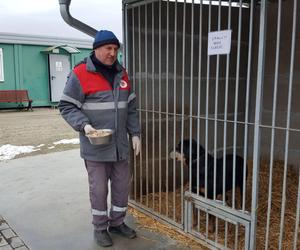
44,198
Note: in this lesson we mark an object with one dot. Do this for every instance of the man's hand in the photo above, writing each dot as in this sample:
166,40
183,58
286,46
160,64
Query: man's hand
88,129
136,144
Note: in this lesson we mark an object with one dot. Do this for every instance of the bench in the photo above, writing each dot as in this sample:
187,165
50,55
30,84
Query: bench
16,96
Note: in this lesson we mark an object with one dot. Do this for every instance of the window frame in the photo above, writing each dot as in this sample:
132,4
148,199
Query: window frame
1,66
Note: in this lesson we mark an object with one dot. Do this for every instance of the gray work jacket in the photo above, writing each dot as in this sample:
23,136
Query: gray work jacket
88,98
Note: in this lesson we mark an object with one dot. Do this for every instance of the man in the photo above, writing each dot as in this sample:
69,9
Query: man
98,95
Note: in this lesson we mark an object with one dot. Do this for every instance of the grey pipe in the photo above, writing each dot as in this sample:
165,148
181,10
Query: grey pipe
65,13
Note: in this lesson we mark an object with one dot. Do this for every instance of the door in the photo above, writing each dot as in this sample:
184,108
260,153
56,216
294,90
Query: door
59,70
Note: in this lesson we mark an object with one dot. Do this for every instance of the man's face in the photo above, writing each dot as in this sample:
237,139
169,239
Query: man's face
107,54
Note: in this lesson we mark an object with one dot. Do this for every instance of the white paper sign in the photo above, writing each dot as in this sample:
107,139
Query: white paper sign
59,66
219,42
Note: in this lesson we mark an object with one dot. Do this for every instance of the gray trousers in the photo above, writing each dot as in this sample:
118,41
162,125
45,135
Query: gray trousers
119,175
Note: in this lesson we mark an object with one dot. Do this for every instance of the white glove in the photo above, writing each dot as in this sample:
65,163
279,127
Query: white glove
88,129
136,144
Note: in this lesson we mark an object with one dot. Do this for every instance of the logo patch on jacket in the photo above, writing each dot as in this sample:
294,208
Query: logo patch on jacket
123,84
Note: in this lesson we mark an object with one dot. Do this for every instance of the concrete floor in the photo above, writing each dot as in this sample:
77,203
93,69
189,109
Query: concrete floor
45,200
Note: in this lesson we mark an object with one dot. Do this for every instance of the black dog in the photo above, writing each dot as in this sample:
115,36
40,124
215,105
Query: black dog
185,158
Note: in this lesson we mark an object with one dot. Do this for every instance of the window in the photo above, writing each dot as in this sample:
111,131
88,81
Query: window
1,66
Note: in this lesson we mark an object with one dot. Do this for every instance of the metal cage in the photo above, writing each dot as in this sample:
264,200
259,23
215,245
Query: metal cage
243,103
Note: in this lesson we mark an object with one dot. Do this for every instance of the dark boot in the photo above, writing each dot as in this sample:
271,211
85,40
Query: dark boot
103,238
123,230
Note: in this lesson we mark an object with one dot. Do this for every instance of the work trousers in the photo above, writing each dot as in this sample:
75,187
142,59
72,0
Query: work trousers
119,175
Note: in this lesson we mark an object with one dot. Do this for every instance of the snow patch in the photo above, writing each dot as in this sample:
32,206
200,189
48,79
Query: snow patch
8,151
67,141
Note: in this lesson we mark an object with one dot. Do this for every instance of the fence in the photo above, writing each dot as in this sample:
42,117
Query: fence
243,104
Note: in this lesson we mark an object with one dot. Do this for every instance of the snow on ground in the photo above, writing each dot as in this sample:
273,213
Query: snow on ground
8,152
67,141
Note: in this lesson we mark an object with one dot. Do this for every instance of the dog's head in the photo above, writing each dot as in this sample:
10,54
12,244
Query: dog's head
185,155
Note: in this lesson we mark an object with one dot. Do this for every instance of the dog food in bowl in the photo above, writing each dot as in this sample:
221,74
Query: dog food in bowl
100,136
99,133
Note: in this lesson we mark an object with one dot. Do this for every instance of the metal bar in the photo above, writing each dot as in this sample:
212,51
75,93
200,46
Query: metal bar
216,229
236,99
159,104
191,96
288,121
216,108
257,131
133,81
221,214
146,105
236,236
214,205
174,125
186,117
225,125
273,124
199,92
206,2
126,46
140,100
247,230
281,128
228,121
199,104
206,114
153,116
247,107
167,113
134,4
188,208
186,224
182,100
226,234
207,103
236,103
215,122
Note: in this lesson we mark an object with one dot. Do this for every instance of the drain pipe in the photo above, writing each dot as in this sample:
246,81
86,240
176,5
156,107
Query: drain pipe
65,13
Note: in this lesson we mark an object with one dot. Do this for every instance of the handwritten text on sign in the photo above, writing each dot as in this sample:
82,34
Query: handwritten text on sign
219,42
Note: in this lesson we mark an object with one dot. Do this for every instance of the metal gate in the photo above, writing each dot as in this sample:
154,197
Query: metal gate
243,103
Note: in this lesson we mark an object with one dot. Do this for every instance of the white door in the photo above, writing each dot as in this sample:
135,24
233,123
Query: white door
59,70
